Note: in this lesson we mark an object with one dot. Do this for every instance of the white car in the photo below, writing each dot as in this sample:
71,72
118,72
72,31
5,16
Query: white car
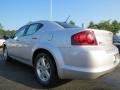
2,40
59,50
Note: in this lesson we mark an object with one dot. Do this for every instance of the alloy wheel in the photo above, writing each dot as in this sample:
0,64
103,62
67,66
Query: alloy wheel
43,69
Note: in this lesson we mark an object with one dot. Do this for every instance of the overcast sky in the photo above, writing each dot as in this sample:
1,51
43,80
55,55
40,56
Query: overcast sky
15,13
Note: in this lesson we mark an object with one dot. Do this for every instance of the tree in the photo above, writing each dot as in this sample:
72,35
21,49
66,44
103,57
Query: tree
92,25
72,23
5,32
113,26
105,25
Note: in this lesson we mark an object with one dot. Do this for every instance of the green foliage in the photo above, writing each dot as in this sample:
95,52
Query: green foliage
113,26
2,32
92,25
72,22
6,32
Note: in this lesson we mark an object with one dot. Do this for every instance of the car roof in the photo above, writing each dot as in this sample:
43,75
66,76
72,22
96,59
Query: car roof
40,21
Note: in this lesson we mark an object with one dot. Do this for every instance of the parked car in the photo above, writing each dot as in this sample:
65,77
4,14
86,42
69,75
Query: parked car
116,41
58,50
2,40
116,38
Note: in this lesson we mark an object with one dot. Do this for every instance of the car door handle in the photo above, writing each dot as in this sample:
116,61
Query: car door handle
34,38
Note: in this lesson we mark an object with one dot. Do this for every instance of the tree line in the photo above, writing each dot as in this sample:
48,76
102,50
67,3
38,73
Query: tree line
4,32
113,26
110,25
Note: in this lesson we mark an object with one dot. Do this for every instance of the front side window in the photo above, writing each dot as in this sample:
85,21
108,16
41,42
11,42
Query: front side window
20,32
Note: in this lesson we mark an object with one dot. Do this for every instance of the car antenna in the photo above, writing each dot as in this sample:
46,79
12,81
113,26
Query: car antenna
67,19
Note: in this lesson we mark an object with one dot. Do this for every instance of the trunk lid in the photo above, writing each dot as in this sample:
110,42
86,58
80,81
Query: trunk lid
104,39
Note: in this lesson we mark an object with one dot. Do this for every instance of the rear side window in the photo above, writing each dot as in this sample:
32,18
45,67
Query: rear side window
33,28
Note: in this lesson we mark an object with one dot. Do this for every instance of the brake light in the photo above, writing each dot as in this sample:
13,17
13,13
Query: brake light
84,38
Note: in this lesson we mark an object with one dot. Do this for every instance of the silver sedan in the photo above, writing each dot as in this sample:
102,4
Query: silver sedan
59,50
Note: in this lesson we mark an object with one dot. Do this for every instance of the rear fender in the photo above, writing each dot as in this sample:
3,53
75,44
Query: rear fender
55,52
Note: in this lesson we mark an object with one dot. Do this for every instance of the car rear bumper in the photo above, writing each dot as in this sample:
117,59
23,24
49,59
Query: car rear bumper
71,73
89,65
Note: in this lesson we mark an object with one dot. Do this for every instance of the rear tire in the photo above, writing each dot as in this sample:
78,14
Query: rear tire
45,70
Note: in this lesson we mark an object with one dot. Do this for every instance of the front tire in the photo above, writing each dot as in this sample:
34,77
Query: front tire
45,70
5,54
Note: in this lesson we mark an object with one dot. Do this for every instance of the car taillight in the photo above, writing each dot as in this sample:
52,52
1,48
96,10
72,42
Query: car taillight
84,38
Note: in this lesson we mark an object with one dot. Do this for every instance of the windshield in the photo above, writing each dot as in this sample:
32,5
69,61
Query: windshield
66,25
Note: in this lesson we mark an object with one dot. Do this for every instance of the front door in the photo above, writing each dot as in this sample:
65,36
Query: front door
15,44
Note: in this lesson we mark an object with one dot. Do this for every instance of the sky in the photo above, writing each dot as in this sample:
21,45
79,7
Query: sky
16,13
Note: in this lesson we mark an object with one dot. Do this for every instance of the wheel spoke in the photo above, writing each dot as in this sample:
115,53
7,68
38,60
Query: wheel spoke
47,66
47,74
42,76
43,61
39,67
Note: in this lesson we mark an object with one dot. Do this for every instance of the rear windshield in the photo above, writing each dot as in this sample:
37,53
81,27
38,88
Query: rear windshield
66,25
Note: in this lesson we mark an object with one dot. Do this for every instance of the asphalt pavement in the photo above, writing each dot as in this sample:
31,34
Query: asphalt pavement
17,76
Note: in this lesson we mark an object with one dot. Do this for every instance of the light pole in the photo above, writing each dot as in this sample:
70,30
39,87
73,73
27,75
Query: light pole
51,9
